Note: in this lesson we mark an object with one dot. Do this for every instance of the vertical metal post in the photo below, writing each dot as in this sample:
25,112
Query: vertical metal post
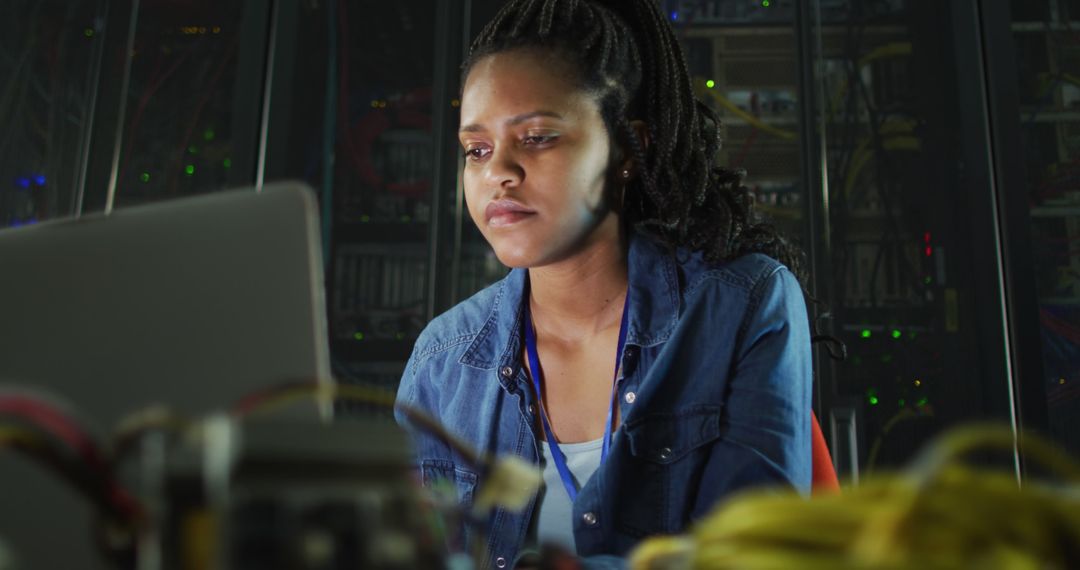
815,175
86,138
446,54
459,189
129,56
1019,295
329,128
268,89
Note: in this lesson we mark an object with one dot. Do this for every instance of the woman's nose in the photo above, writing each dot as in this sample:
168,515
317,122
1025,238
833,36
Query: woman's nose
504,169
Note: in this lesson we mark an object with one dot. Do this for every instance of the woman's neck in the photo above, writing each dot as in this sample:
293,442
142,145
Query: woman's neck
582,295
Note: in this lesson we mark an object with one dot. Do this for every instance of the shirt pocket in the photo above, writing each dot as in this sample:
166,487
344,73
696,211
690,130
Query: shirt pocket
437,473
669,452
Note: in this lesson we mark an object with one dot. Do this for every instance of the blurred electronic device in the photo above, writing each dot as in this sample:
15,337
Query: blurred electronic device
190,303
280,495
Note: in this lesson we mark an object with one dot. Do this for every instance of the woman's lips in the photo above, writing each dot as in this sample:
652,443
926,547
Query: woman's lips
502,213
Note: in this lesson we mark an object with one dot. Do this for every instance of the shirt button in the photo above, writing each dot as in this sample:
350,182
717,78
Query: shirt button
665,454
630,397
500,562
507,372
532,409
589,518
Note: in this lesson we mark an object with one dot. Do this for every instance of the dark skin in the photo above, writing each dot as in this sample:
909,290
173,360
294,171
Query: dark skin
537,183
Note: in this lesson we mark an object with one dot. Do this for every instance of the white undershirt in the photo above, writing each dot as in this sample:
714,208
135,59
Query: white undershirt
555,512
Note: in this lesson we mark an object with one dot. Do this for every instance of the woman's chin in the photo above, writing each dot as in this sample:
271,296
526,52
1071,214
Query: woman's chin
514,258
520,253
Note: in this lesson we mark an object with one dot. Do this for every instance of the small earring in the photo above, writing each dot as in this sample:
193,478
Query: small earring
626,174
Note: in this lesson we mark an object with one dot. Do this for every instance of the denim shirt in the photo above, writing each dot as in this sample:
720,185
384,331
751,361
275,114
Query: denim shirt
714,395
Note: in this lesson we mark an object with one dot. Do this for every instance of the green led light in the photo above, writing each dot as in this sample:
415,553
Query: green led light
896,333
928,280
358,336
710,84
873,400
88,32
365,218
189,169
193,149
865,333
902,403
765,3
145,177
208,135
922,402
227,163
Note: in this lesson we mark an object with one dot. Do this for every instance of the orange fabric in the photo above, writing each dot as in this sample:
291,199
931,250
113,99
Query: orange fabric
824,474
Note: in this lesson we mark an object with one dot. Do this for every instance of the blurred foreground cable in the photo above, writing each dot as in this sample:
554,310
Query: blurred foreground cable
41,429
939,514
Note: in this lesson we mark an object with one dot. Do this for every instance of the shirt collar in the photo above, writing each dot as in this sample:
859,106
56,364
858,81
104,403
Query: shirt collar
654,307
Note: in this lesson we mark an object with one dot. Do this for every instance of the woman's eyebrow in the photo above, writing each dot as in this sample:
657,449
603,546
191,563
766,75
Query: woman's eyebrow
515,120
526,116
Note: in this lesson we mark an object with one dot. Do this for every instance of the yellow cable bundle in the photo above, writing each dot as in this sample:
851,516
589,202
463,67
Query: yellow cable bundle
940,514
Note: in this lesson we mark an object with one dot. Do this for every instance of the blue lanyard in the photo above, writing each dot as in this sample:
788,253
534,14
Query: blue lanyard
534,366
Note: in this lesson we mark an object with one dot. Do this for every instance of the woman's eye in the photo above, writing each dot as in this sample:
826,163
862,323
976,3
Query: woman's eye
538,139
476,153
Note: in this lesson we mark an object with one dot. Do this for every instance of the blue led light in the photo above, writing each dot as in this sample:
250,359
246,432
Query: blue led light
675,16
39,180
22,182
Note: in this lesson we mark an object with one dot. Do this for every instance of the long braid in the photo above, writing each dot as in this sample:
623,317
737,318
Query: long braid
626,54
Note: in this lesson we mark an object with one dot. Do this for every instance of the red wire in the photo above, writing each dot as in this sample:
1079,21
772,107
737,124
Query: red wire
1060,327
59,424
745,151
343,87
55,422
755,108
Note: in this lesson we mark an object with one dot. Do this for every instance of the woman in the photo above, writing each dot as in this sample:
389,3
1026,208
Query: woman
650,348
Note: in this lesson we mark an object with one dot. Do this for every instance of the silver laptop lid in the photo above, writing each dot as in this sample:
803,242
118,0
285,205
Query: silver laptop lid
190,303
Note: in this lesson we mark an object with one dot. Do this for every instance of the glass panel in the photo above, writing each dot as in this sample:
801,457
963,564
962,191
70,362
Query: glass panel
192,100
49,52
1048,71
913,290
352,115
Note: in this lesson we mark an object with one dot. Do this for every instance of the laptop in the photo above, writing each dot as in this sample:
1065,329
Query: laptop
190,303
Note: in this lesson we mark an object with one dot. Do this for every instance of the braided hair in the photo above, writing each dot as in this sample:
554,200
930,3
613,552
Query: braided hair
626,55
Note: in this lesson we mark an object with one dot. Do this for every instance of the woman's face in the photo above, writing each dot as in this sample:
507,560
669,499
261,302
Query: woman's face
536,160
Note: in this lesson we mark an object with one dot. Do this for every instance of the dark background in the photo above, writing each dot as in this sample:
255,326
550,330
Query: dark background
925,154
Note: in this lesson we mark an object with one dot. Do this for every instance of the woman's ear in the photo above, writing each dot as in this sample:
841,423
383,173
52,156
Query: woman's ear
641,133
